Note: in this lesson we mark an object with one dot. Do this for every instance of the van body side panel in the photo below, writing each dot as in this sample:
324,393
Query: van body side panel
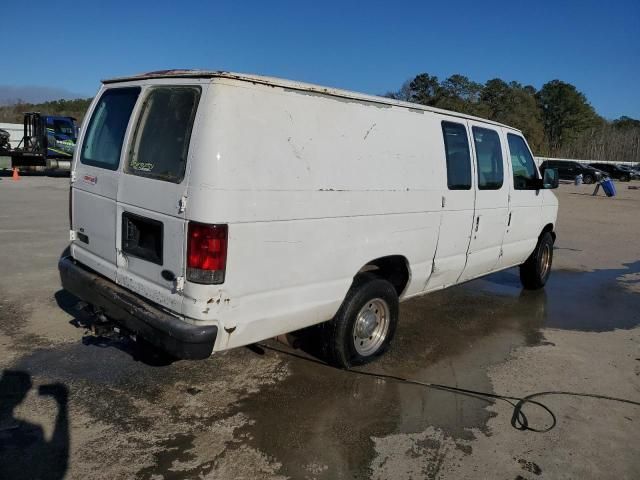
549,211
312,188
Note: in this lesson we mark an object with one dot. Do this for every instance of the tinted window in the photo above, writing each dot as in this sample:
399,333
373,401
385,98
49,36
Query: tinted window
456,146
161,142
489,158
62,126
522,164
103,141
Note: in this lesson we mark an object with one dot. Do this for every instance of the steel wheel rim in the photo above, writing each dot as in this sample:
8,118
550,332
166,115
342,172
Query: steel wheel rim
371,326
545,260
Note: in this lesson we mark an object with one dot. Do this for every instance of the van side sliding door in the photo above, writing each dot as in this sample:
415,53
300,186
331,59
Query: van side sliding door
492,200
458,197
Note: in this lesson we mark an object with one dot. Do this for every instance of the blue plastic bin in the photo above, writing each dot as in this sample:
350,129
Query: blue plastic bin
609,187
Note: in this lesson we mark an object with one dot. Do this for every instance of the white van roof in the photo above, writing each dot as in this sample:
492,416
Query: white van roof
295,85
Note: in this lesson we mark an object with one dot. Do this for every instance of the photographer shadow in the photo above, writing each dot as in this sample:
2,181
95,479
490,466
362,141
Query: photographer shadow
25,453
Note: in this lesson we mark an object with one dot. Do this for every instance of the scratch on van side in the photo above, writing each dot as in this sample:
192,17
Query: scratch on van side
369,131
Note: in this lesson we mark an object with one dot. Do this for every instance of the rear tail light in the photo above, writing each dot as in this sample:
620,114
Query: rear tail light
206,253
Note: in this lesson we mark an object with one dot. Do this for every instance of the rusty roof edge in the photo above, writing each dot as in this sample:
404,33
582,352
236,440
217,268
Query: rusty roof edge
301,86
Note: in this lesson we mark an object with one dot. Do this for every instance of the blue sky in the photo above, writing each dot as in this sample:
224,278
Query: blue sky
365,46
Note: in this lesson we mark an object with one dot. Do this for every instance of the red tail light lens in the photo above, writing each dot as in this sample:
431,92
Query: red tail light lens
206,253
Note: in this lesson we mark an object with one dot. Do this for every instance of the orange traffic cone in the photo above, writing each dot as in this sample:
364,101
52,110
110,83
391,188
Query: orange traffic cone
16,176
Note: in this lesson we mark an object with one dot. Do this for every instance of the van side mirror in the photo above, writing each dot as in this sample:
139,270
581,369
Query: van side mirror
550,178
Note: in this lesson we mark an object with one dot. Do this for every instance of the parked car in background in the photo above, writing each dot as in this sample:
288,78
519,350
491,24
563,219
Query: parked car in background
568,170
635,172
614,171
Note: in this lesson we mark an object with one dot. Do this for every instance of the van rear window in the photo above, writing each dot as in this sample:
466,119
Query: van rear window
103,142
161,143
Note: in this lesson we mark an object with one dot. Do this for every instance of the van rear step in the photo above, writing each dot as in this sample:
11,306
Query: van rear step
137,315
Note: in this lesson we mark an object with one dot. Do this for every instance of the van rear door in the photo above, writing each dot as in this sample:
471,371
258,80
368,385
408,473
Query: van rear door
95,180
152,195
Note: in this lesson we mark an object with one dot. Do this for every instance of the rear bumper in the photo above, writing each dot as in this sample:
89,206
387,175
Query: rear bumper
136,314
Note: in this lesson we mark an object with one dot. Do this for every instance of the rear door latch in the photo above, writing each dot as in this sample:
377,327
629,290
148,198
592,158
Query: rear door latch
182,204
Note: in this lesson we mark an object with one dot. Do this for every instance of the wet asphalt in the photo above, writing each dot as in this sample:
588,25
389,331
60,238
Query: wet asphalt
305,419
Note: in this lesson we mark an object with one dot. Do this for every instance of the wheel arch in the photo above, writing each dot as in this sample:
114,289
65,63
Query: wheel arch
393,268
548,228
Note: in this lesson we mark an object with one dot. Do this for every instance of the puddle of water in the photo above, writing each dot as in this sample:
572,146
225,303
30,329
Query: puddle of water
595,301
449,337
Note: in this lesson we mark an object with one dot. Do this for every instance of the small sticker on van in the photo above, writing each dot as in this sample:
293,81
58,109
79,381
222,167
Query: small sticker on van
141,166
90,179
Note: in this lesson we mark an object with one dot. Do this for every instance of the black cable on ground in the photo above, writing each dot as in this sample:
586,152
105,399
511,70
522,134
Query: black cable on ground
519,420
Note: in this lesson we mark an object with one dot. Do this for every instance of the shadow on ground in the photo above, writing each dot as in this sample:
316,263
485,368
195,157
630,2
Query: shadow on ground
25,453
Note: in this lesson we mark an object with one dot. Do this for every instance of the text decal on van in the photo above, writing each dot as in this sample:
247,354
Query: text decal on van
90,179
142,166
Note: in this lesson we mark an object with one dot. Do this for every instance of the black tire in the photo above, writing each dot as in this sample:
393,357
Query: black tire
340,333
588,179
535,272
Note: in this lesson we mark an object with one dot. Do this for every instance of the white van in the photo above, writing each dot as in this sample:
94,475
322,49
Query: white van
211,210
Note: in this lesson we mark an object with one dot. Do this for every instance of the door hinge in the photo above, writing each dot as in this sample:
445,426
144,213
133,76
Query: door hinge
72,235
509,222
182,204
73,176
444,201
179,284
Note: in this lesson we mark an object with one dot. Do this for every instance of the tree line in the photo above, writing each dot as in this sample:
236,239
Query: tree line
557,120
64,108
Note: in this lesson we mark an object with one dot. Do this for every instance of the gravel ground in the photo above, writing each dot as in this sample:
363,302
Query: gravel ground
76,406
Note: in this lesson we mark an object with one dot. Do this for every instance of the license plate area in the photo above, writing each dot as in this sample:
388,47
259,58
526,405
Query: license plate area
142,237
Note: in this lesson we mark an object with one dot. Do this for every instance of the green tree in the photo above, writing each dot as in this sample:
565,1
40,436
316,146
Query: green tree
460,94
515,105
624,123
566,114
425,89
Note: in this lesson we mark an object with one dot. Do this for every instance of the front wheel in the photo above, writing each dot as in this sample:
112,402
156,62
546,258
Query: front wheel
535,272
364,325
588,179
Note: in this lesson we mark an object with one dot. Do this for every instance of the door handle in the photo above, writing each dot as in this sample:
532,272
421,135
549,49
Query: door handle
477,223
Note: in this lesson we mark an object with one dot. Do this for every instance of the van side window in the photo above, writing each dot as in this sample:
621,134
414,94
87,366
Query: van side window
161,142
524,168
456,146
488,158
103,142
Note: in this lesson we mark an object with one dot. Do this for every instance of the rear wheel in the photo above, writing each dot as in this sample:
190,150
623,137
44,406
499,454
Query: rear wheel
588,179
535,272
365,323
